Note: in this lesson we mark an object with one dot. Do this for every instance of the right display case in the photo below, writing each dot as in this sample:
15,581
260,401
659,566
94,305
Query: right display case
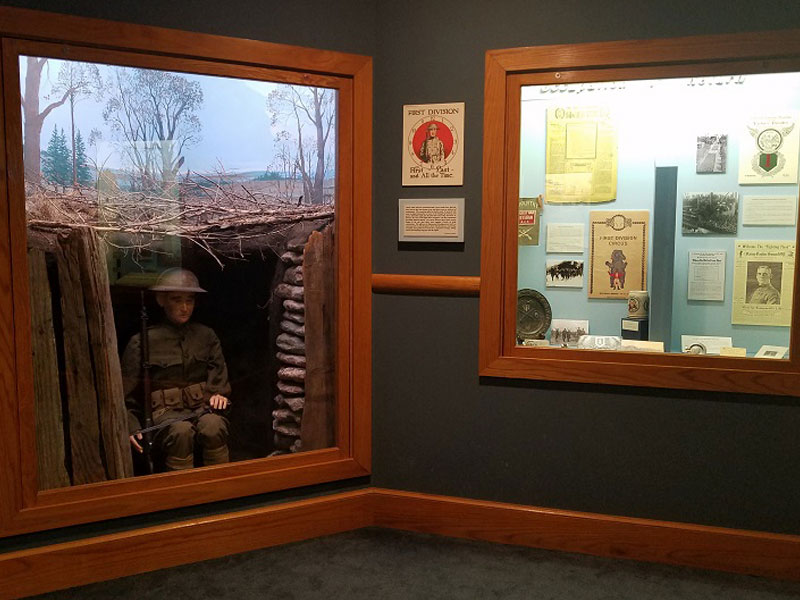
640,213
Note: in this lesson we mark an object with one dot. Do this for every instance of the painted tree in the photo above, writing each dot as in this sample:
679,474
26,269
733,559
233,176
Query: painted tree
80,162
311,114
56,160
33,116
154,115
78,81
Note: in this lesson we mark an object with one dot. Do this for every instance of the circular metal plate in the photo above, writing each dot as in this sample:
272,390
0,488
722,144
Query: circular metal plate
533,314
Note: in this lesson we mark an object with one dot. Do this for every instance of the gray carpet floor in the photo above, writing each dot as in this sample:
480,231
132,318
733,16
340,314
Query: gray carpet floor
384,564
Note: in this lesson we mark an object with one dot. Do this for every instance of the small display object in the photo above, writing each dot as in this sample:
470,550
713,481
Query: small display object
712,153
564,273
567,332
433,144
768,149
431,220
710,213
732,351
618,250
533,315
772,352
599,342
641,346
763,276
638,304
635,328
705,344
581,155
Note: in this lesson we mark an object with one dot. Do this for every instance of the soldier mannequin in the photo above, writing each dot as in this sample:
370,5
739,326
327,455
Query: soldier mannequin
187,372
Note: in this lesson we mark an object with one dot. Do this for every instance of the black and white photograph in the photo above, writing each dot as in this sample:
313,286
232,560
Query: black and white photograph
710,213
712,153
764,282
564,273
567,332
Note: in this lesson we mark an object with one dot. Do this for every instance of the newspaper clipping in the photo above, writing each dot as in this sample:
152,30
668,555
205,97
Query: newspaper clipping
763,275
581,155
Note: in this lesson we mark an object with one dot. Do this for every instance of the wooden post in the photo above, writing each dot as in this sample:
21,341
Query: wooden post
50,453
103,342
84,429
317,426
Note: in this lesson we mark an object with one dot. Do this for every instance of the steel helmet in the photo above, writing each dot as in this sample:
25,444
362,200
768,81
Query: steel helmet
177,280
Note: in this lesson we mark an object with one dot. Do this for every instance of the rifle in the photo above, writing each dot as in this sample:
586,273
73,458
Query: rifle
147,441
193,415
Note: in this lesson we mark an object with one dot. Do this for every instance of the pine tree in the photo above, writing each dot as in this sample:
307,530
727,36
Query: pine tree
81,163
56,160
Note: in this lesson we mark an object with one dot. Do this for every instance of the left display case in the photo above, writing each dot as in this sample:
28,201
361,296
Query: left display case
185,243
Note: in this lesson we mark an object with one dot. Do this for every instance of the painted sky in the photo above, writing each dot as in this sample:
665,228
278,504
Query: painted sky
236,131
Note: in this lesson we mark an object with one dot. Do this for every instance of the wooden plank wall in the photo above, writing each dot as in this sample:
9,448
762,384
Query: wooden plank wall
50,447
316,429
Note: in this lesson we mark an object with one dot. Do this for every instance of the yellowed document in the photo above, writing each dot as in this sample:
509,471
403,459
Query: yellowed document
763,275
581,155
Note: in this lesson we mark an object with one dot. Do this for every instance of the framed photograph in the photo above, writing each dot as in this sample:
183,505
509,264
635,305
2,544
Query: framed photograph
712,153
564,273
772,352
567,332
710,213
433,144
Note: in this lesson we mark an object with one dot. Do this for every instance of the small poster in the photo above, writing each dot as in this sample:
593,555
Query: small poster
530,216
763,276
712,153
706,275
433,144
581,155
768,150
618,252
564,273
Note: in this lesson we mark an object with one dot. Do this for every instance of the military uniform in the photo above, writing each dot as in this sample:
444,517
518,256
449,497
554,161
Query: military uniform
186,369
765,294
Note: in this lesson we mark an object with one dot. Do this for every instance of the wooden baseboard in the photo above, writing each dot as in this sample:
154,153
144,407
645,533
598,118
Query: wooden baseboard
70,564
60,566
717,548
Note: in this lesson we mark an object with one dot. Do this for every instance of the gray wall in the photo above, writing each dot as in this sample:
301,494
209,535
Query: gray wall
705,458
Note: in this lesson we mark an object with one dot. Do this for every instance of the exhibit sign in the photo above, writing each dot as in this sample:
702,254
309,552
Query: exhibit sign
706,275
618,252
431,220
565,237
768,149
769,210
763,277
581,158
433,144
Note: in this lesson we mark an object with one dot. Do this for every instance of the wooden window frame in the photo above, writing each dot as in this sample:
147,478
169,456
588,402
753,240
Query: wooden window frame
23,508
509,69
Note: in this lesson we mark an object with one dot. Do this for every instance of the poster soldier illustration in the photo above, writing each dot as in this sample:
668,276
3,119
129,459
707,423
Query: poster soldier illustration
618,252
433,138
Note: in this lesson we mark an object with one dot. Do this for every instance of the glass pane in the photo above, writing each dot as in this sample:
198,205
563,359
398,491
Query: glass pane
195,213
659,215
